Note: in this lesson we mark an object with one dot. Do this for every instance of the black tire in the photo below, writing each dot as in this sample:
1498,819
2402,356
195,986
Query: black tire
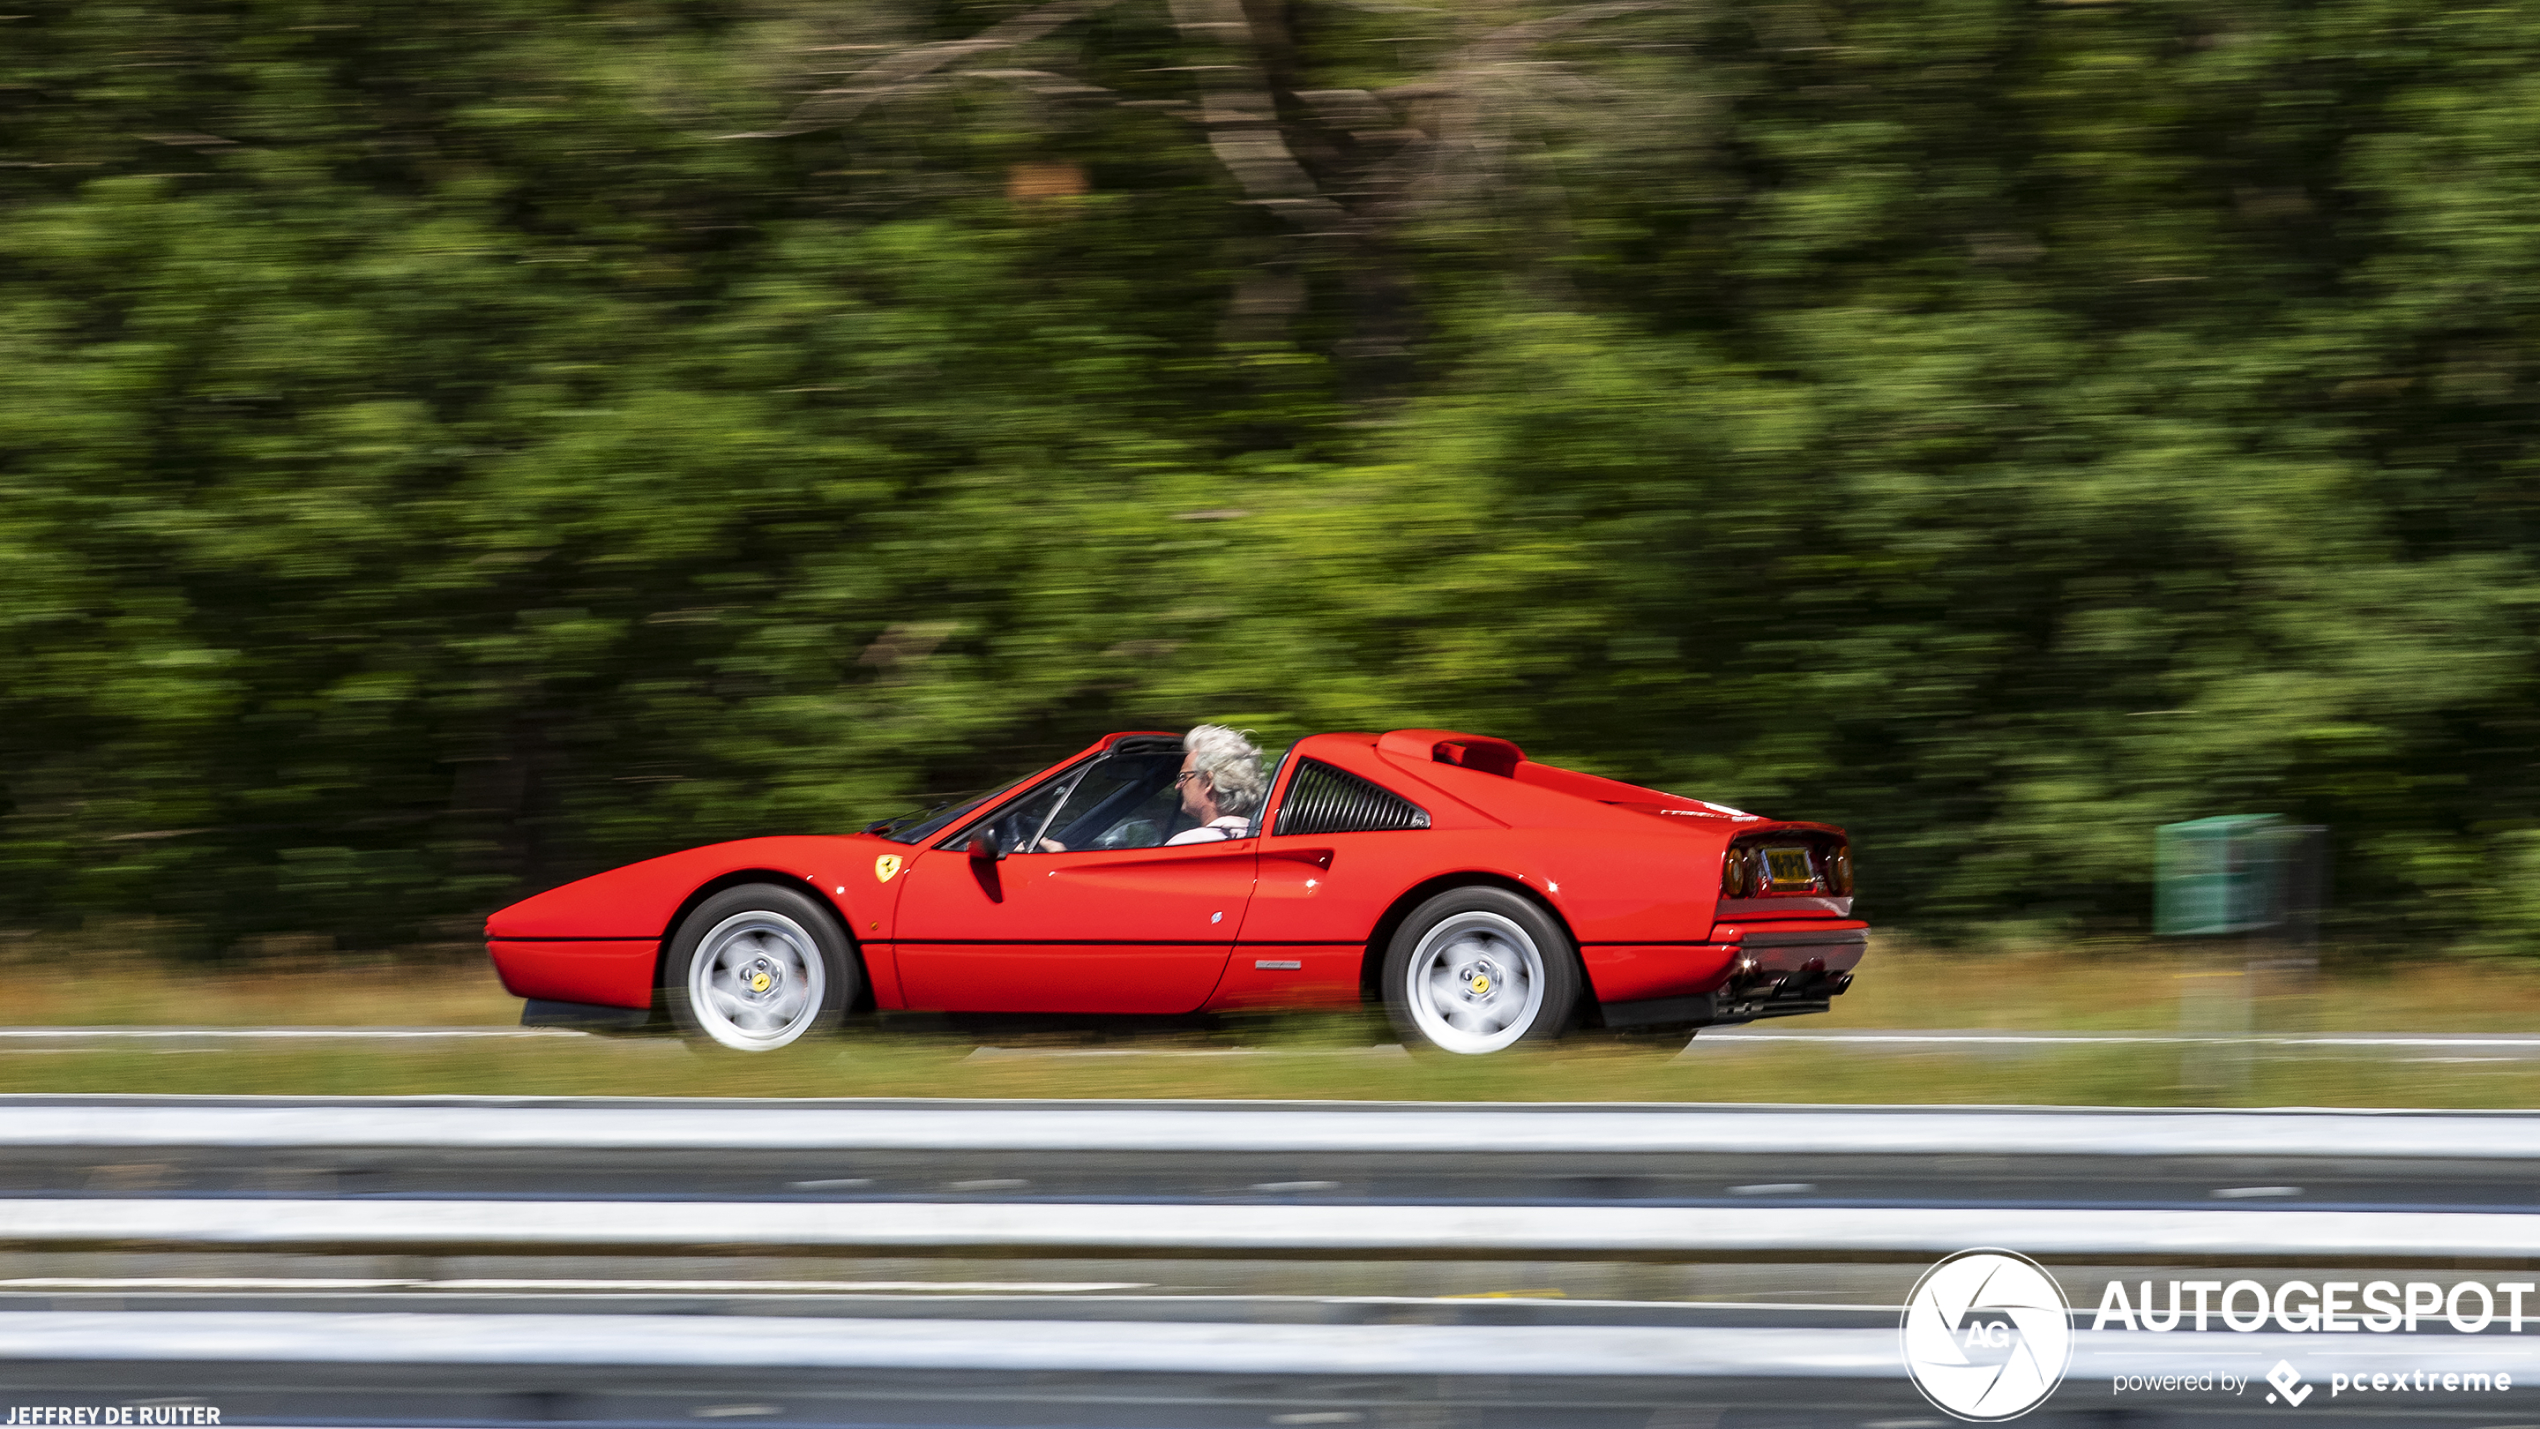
1495,972
711,976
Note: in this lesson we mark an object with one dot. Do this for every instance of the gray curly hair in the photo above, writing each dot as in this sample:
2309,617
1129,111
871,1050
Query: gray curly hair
1232,764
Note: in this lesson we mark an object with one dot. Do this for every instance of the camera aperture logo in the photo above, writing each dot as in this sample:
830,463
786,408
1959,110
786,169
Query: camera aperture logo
1987,1335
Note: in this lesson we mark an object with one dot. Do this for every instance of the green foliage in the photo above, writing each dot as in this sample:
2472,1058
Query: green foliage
437,458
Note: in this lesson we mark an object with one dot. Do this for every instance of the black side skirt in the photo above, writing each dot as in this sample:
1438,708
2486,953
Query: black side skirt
584,1016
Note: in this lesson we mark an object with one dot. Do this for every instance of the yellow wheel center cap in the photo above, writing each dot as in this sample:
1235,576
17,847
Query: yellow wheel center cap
1480,983
761,982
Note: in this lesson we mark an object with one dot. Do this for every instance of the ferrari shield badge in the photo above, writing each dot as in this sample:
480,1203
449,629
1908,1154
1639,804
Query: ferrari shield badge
886,866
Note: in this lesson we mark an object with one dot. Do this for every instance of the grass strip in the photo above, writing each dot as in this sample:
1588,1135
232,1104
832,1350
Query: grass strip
899,1066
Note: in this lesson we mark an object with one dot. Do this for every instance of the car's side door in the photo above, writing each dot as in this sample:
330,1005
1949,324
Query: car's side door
1125,925
1339,850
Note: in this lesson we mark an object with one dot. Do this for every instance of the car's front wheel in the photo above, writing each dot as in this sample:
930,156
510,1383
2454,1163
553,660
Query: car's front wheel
1478,970
756,968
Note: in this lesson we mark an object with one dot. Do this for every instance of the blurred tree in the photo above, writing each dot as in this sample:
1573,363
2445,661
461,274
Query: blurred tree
446,451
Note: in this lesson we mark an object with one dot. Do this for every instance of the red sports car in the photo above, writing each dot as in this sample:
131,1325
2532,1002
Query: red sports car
1486,900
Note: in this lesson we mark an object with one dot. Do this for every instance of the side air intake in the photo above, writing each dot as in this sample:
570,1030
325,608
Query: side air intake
1324,800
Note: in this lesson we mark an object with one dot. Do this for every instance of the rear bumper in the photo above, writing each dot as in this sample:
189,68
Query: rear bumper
1790,946
1746,959
1633,972
1779,971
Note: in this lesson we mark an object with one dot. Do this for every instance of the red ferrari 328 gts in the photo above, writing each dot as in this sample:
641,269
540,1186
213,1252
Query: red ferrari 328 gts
1486,900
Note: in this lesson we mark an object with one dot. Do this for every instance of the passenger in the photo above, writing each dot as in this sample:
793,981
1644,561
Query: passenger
1220,782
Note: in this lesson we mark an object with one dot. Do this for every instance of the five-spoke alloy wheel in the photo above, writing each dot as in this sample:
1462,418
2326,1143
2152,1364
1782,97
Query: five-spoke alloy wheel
1477,970
757,967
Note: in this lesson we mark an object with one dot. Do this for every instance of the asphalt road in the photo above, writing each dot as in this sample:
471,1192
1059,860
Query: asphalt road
335,1394
453,1368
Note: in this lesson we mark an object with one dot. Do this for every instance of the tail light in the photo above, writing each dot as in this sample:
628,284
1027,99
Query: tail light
1748,872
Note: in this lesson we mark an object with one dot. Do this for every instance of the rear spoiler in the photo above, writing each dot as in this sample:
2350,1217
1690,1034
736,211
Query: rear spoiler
1478,752
1484,754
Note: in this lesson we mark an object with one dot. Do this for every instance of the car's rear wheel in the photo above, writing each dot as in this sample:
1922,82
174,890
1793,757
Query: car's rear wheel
756,968
1479,970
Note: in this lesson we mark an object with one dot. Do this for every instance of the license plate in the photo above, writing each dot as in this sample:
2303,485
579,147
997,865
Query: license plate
1791,869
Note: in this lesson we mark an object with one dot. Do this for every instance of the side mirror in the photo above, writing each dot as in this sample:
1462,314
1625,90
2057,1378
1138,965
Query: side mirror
983,847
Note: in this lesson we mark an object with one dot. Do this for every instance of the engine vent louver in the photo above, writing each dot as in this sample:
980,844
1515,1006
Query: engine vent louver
1324,800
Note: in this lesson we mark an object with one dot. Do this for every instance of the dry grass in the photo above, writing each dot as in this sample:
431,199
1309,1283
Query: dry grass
2115,989
88,990
905,1066
2133,987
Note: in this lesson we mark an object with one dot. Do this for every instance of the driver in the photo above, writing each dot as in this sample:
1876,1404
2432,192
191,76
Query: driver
1220,784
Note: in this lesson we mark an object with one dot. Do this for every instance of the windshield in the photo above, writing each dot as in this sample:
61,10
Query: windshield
917,824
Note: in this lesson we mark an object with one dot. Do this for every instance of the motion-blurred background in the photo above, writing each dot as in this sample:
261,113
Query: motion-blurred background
447,449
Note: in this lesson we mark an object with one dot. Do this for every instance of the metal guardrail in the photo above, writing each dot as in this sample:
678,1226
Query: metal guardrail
996,1345
1165,1347
1462,1231
1117,1133
601,1125
242,1252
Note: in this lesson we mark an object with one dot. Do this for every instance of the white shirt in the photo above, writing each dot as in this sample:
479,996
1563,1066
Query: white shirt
1232,826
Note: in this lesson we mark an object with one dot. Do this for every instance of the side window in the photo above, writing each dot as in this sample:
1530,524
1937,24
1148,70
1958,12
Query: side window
1325,800
1269,783
1124,801
1015,826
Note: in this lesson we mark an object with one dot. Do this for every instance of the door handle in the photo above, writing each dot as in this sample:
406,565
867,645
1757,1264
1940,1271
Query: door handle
1319,857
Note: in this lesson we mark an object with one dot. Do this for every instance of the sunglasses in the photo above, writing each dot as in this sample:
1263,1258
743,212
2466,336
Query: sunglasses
1190,774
